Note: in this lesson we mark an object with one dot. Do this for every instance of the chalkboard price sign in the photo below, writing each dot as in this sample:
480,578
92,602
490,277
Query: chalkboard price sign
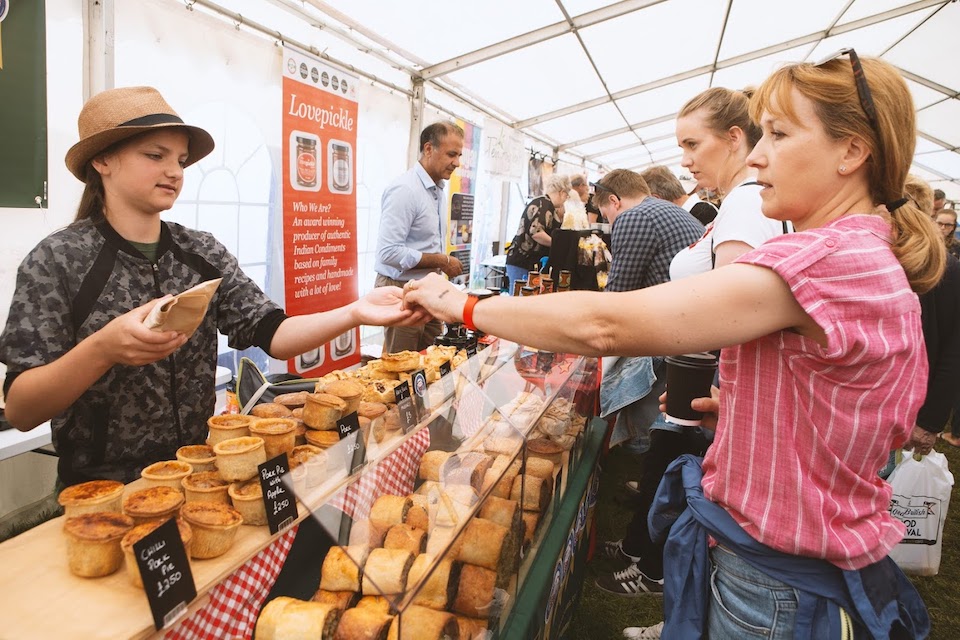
167,579
278,500
408,412
348,427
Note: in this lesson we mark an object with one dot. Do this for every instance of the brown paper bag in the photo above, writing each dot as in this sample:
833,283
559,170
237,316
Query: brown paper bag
183,312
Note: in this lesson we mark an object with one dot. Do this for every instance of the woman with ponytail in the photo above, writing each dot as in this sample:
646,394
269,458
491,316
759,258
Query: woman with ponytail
822,370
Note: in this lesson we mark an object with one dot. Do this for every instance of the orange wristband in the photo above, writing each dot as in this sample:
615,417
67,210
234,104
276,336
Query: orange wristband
468,312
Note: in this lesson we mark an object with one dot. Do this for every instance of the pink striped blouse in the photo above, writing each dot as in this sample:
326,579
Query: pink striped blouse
803,429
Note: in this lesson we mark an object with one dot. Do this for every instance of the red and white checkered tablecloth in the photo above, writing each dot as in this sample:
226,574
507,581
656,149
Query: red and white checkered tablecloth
394,475
235,603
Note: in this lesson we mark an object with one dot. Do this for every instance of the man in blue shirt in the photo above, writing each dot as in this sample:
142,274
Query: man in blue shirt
413,227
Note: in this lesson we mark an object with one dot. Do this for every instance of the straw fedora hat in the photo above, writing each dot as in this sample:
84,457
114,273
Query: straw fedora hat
117,114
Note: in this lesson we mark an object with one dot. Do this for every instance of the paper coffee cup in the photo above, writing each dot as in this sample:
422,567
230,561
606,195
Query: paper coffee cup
688,377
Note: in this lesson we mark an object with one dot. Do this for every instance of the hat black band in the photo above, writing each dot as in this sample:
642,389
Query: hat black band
152,119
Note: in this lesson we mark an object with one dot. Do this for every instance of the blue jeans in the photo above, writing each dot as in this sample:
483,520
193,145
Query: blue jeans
516,273
747,603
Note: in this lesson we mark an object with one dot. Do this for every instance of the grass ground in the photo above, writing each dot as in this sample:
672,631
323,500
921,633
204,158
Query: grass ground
602,616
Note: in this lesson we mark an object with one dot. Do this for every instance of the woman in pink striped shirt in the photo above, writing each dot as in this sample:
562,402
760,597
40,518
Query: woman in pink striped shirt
823,367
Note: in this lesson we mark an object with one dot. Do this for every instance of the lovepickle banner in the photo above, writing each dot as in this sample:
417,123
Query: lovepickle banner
319,201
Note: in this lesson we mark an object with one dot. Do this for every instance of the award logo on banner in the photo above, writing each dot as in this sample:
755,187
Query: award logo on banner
319,112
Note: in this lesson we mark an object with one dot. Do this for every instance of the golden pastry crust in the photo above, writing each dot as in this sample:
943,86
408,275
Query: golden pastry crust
380,604
302,453
472,628
342,568
288,618
431,463
475,593
139,533
531,520
423,623
536,492
93,543
362,623
400,362
406,538
440,588
339,599
385,572
322,411
227,426
279,435
214,527
96,496
199,456
389,510
371,410
381,391
546,449
205,486
167,473
484,545
152,504
270,410
238,458
364,532
350,391
418,517
292,400
322,439
539,467
247,498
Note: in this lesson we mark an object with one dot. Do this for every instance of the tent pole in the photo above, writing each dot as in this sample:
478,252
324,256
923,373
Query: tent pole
98,47
416,120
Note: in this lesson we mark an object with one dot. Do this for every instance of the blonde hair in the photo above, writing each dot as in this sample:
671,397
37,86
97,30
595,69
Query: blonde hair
725,108
833,91
556,182
920,192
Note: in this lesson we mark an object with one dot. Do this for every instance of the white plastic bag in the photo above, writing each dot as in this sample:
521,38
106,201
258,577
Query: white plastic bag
921,496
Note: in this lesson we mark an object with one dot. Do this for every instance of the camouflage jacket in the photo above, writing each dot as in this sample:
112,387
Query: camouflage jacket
80,278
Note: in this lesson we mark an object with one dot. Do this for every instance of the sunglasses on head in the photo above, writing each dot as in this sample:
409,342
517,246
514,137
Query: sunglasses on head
863,89
600,187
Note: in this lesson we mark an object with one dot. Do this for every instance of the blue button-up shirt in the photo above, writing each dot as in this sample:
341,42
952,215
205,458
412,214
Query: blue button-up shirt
412,222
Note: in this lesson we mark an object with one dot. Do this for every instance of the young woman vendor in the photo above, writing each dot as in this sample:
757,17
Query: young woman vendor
120,396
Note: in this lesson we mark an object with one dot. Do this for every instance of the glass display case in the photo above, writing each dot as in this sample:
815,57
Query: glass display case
436,527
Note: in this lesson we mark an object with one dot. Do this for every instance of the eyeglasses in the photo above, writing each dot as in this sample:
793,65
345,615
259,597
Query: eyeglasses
597,185
947,225
863,89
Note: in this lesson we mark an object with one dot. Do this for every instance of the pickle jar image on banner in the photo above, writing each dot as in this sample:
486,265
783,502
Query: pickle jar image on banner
339,166
305,165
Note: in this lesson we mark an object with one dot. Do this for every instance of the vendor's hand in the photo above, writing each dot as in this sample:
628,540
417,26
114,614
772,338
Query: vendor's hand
453,267
709,406
126,340
920,441
436,296
383,307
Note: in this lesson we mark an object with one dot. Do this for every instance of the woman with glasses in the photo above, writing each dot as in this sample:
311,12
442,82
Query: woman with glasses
542,215
947,223
822,370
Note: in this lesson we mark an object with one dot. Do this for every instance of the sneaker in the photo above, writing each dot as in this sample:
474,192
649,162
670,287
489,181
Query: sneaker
613,550
643,633
630,582
632,486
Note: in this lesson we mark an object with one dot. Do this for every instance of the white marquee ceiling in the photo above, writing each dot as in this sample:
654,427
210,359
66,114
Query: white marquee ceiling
603,80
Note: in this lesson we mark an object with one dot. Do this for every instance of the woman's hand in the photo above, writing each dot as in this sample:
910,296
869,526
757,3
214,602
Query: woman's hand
436,296
384,307
126,340
709,406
